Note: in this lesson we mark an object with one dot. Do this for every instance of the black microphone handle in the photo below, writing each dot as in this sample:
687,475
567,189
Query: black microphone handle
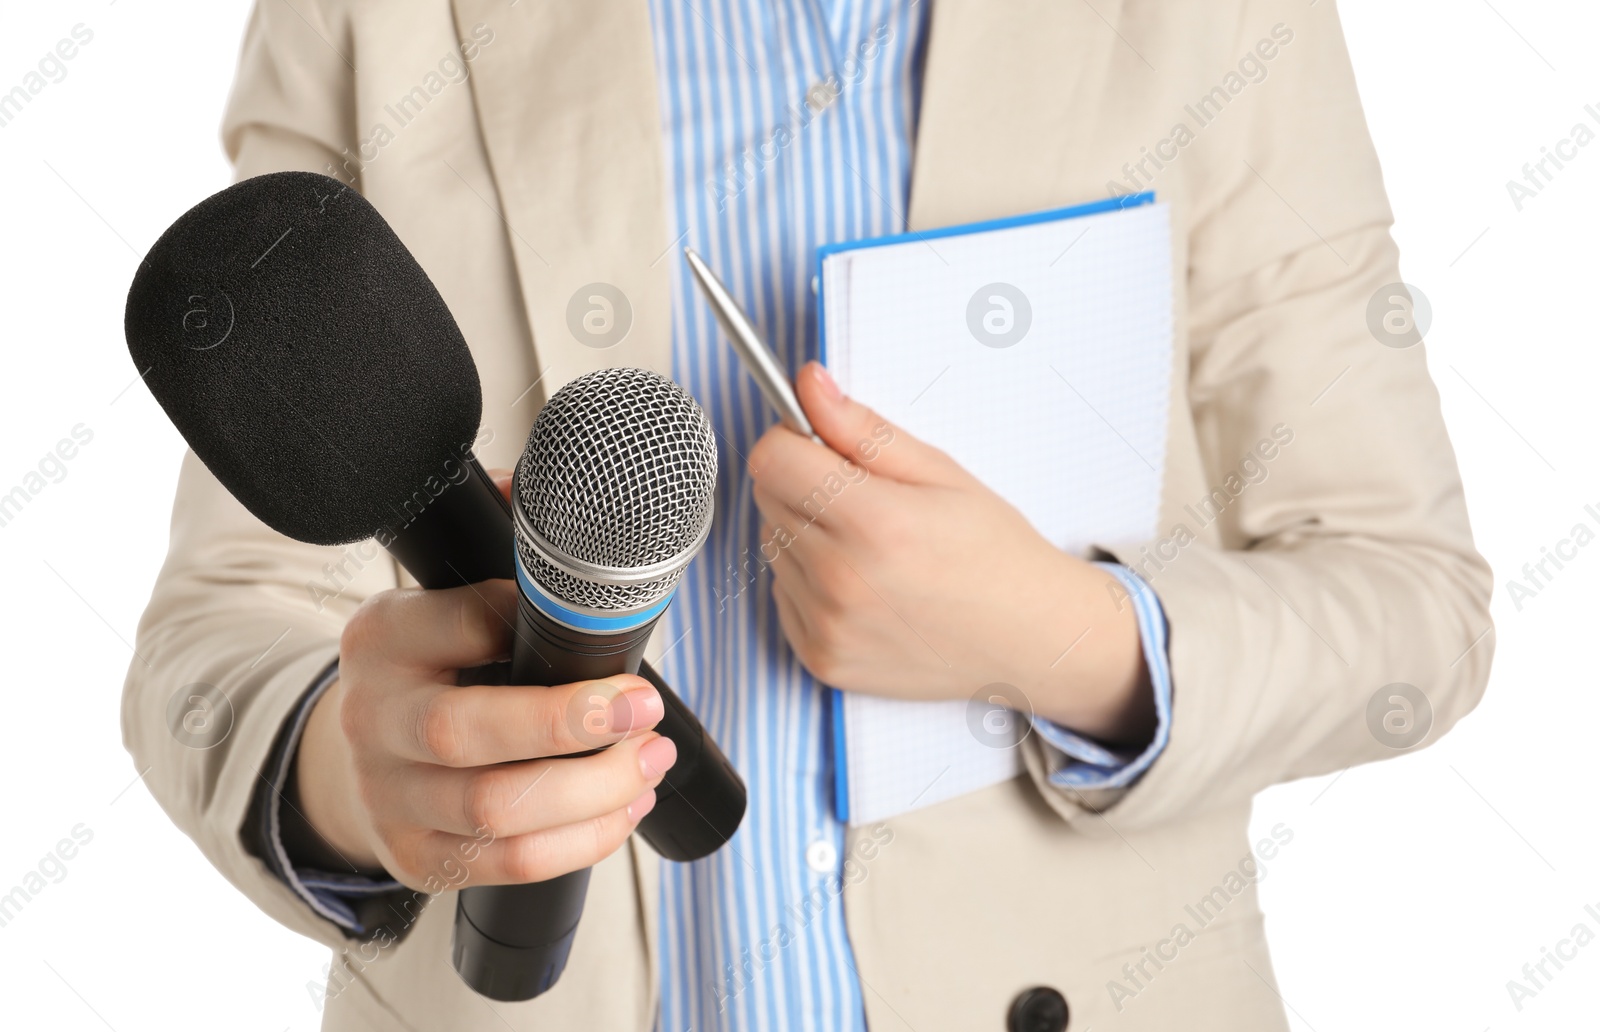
461,536
511,942
701,799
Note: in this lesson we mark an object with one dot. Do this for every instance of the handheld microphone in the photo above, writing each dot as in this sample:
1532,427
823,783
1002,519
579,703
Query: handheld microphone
611,500
312,366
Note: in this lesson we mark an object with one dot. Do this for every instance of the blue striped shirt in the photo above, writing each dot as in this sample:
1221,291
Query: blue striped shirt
787,125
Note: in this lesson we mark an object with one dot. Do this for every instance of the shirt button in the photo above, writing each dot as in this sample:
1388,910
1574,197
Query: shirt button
821,95
822,857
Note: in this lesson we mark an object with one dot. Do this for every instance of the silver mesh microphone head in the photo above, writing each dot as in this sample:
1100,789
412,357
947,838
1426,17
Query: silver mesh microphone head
613,494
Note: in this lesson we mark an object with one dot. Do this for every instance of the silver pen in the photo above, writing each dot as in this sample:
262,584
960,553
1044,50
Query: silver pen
758,359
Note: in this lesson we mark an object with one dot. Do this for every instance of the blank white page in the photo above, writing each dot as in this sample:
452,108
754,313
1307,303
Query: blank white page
1068,422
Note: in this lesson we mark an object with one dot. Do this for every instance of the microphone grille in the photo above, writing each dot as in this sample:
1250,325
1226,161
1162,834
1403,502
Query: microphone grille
619,471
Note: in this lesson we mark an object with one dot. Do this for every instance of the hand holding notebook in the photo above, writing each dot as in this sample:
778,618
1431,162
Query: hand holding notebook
1037,351
1054,376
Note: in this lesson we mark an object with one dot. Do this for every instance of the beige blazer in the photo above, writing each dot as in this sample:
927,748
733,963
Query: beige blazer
1294,595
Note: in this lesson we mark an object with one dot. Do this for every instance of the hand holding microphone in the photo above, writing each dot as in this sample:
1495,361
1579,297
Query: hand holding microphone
401,768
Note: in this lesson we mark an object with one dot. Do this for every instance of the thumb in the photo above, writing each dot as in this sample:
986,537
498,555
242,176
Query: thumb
863,436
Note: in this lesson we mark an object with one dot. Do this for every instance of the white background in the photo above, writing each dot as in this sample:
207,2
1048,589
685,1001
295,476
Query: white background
1413,890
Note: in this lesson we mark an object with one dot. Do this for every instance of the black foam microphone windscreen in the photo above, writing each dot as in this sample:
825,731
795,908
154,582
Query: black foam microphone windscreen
305,356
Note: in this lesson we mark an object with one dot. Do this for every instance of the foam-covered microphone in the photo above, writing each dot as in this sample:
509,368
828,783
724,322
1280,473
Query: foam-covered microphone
611,500
312,366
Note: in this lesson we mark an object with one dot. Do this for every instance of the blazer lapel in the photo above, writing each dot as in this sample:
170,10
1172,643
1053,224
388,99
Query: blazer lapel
1008,99
566,104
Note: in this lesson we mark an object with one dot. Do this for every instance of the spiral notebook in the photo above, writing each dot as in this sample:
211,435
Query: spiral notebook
1037,351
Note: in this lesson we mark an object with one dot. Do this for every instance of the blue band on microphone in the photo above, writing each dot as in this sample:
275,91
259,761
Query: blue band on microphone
586,621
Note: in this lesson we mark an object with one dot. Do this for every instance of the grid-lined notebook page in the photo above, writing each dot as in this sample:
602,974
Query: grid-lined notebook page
1039,356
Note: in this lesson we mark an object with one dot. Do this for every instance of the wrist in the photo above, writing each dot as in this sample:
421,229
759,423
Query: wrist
1099,684
321,819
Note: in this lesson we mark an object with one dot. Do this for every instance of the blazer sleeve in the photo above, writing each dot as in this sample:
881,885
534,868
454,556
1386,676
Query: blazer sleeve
241,616
1350,567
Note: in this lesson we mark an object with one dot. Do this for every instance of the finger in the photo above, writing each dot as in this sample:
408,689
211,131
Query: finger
791,616
783,525
778,521
857,432
541,856
777,540
477,725
443,629
808,479
518,798
787,547
457,861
